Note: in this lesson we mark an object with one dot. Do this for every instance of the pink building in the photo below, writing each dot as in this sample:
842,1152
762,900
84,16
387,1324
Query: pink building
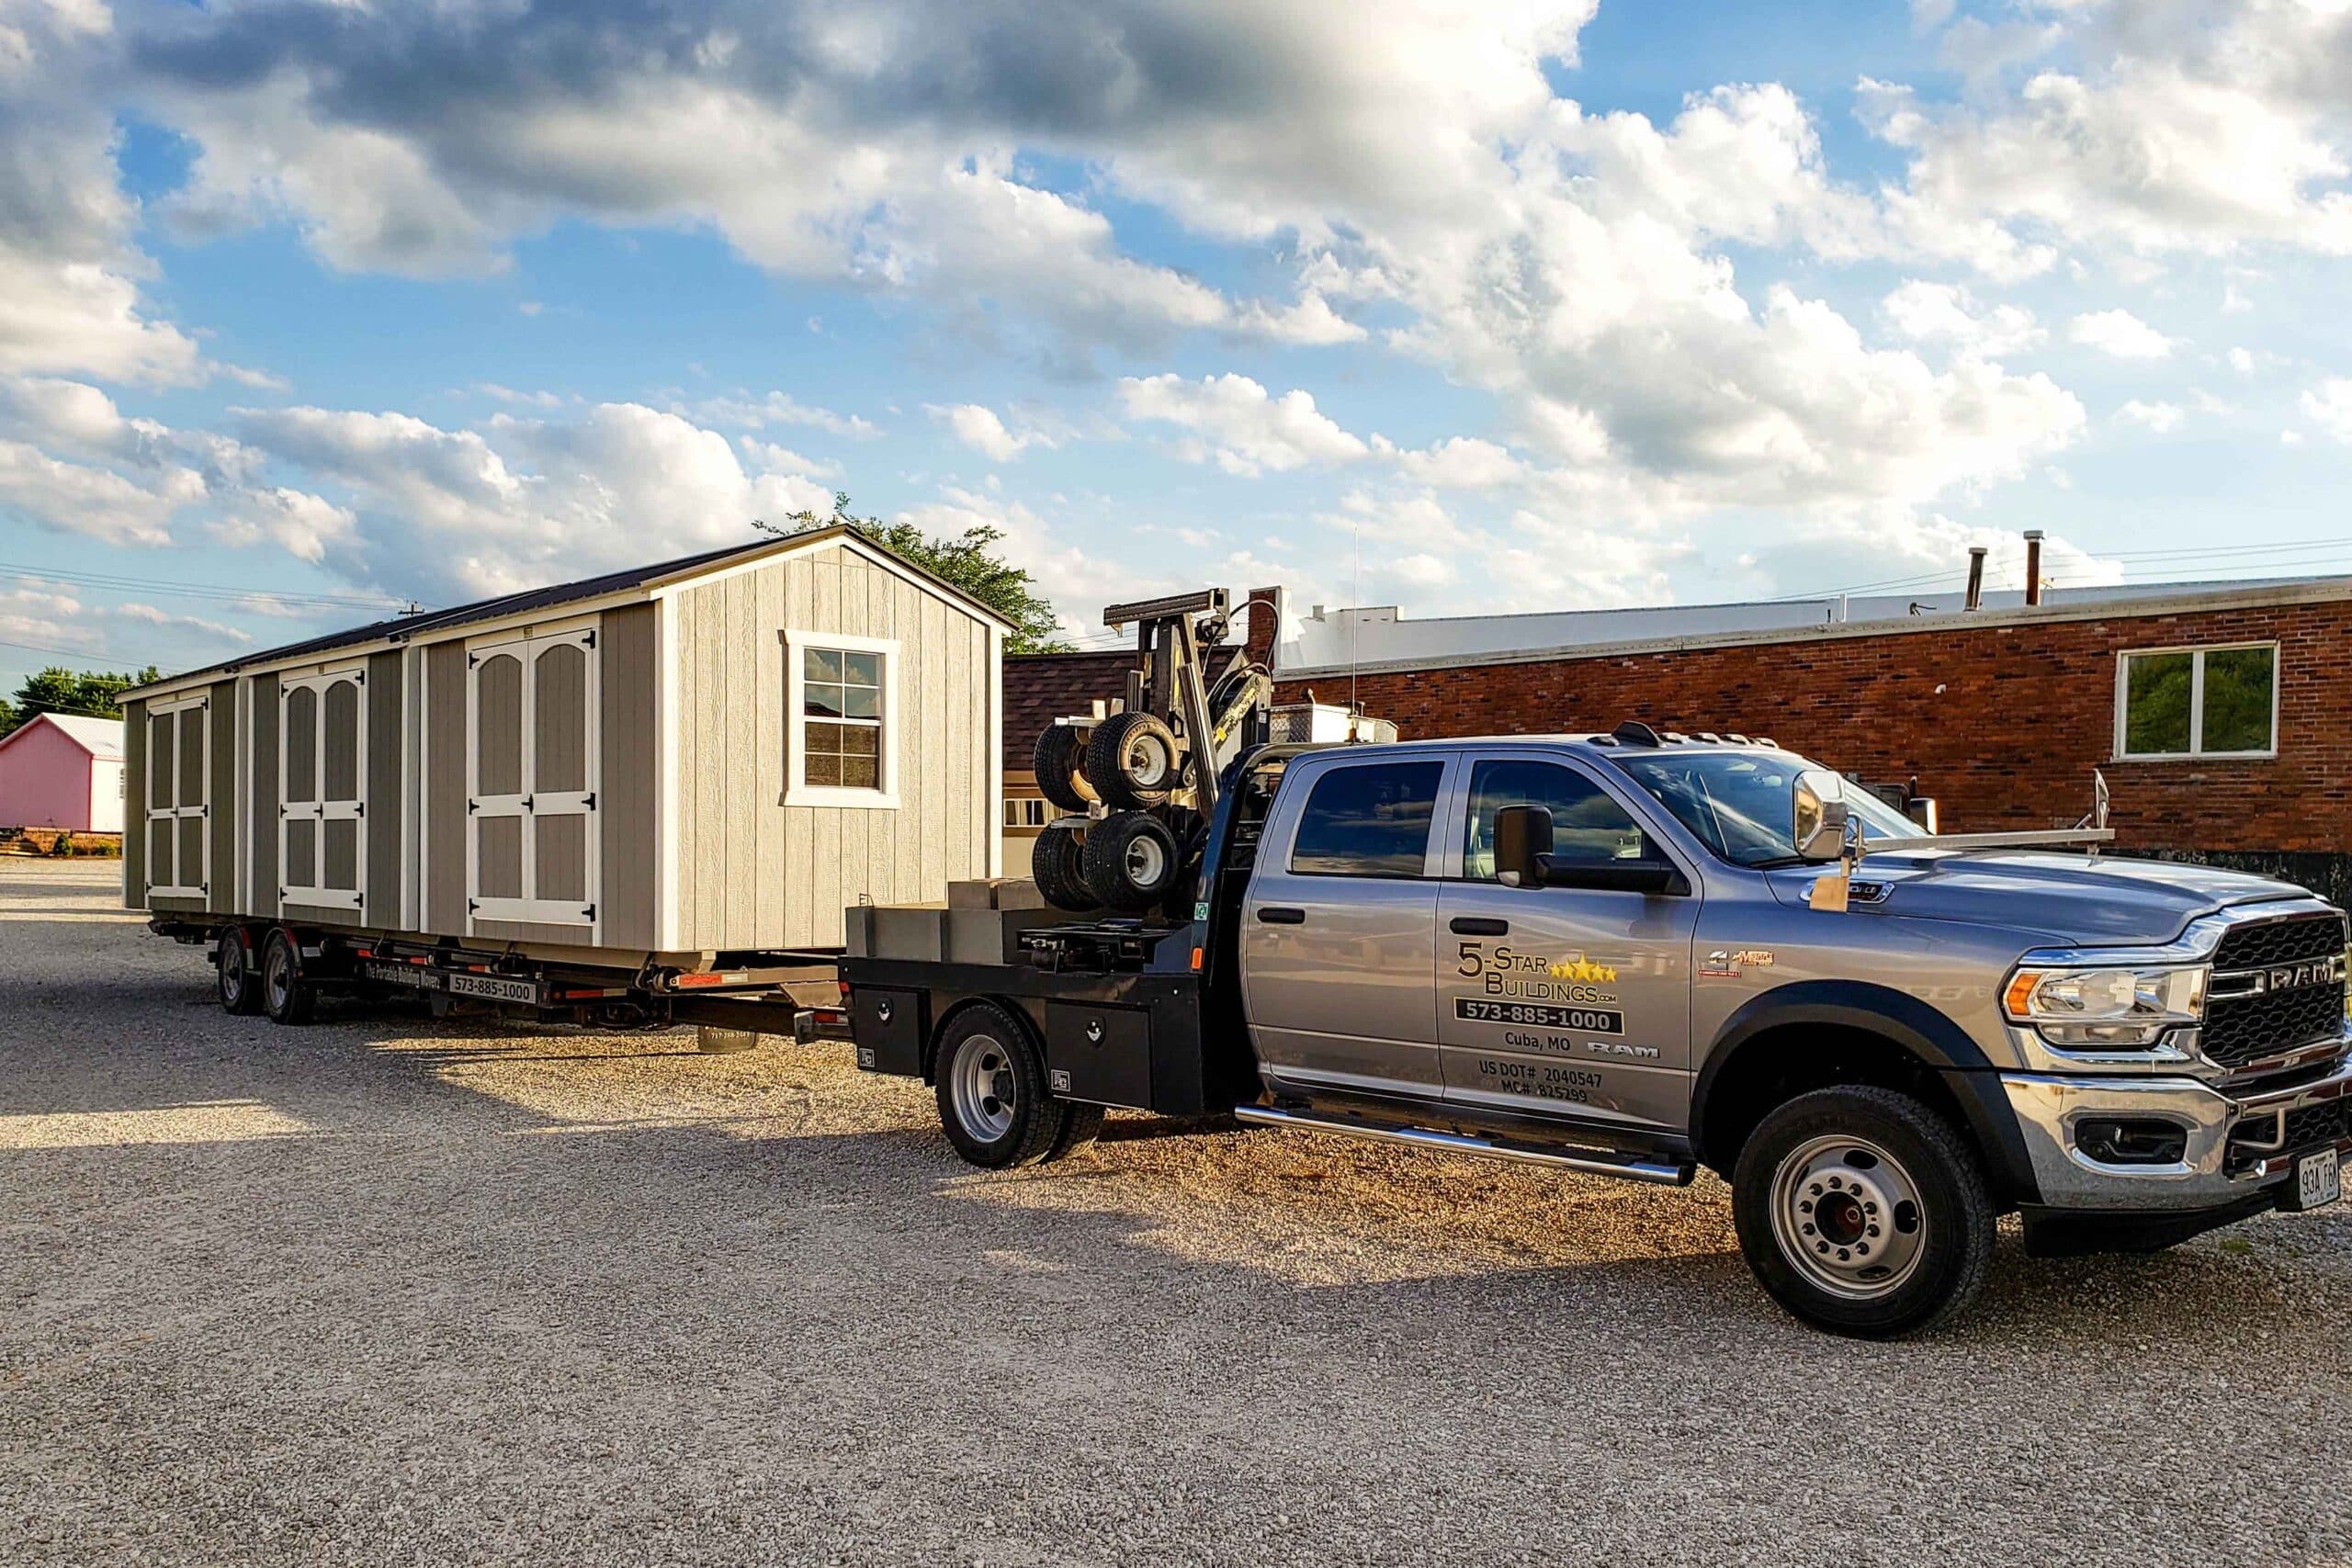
62,770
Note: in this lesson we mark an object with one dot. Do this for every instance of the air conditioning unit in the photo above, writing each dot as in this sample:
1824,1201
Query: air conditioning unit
1324,724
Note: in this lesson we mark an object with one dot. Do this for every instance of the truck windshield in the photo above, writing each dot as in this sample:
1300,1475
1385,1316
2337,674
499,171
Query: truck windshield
1738,803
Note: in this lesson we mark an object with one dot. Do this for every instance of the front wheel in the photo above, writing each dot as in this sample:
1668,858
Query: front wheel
1863,1212
992,1096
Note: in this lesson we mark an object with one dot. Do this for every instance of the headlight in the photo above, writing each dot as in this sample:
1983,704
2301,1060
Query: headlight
2106,1007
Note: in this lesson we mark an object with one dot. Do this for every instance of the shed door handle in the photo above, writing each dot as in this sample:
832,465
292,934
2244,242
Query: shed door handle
1478,925
1279,915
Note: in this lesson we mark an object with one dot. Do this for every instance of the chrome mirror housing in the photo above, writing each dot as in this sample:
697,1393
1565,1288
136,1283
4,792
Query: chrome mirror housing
1818,815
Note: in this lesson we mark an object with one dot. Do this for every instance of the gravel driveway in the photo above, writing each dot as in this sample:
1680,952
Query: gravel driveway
386,1292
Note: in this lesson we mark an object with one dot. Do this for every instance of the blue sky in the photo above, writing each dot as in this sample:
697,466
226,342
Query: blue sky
307,310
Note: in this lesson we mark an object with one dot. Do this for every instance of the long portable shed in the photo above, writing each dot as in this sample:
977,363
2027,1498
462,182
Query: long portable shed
662,767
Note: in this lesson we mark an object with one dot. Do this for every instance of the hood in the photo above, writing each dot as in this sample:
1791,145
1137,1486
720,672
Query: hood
2069,898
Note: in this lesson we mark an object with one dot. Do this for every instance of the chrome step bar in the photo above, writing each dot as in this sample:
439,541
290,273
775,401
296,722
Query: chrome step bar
1630,1169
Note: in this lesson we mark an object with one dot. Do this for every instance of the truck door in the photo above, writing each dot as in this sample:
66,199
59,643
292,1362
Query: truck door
1555,1000
1339,938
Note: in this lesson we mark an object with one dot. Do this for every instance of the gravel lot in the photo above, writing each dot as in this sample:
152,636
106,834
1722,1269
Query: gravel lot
382,1291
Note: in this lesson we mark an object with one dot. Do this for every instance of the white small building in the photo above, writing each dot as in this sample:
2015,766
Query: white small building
62,770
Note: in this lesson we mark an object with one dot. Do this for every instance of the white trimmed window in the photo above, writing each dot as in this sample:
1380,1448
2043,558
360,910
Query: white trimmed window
1026,811
2221,700
178,776
841,701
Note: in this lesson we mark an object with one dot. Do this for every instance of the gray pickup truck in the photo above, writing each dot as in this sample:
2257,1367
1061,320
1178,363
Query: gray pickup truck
1637,954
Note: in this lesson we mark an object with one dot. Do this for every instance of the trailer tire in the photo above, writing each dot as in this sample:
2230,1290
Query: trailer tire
240,988
1058,760
1132,760
992,1098
286,997
1131,860
1835,1173
1058,866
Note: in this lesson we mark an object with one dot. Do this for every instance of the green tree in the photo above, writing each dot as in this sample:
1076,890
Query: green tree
970,561
60,690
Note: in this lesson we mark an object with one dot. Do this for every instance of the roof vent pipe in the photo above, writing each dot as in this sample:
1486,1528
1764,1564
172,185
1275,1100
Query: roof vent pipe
1977,554
2032,567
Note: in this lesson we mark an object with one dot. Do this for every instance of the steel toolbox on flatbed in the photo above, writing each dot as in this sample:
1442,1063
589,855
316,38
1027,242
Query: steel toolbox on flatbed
1115,1004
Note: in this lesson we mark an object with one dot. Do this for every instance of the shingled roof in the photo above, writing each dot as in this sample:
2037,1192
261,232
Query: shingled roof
1042,687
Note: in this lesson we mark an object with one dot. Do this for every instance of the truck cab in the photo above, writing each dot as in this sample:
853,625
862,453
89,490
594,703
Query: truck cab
1643,955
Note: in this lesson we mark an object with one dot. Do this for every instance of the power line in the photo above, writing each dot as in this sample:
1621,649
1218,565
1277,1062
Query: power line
215,591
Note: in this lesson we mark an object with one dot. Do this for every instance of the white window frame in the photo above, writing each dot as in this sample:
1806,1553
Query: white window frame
1033,810
526,645
2196,754
798,790
176,813
319,809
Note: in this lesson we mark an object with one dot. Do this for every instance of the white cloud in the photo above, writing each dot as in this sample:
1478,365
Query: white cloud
1238,426
1949,314
1311,322
2162,418
746,412
2328,405
983,431
2121,334
148,614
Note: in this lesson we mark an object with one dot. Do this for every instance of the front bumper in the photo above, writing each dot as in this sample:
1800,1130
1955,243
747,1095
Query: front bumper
2236,1148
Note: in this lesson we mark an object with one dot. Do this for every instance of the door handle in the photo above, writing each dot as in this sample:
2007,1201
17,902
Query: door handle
1478,925
1277,915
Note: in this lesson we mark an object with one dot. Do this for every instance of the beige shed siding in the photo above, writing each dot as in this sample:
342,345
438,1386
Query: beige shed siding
443,895
387,764
221,797
753,873
261,830
134,806
626,808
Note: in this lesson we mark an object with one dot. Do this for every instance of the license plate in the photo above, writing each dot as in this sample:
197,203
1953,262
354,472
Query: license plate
2318,1181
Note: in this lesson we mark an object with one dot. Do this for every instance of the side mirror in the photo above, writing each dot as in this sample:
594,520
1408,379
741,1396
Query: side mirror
1921,809
1522,839
1818,815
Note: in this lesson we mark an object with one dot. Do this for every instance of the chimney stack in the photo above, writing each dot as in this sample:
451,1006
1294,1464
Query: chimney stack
1976,576
2032,567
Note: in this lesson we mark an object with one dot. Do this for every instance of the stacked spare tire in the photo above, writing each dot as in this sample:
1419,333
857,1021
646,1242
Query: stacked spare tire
1124,841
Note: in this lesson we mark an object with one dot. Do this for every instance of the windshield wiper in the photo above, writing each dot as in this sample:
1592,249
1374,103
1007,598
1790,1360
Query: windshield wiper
1776,862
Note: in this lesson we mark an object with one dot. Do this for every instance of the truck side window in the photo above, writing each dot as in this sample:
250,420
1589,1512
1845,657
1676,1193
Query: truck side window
1587,824
1368,821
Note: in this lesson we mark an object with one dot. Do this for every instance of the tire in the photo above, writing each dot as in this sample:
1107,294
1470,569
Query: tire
1132,760
239,987
1060,756
992,1099
1058,866
286,997
1131,860
1079,1130
1862,1157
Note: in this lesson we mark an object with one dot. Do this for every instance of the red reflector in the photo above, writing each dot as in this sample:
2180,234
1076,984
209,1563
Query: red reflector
685,980
844,986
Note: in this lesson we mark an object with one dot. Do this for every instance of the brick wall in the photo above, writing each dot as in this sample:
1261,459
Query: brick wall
2002,723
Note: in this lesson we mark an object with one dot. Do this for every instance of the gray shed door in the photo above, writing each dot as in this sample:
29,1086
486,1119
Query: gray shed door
534,756
321,778
177,849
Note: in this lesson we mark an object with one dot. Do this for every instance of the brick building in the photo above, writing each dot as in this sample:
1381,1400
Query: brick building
2221,714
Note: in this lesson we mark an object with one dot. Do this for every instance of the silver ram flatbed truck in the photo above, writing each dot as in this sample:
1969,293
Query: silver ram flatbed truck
1638,954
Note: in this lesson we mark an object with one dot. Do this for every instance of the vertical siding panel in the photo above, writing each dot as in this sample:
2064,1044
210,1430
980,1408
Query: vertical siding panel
387,764
825,914
686,852
625,805
742,761
799,828
445,787
957,815
134,806
710,764
220,796
769,892
906,828
934,622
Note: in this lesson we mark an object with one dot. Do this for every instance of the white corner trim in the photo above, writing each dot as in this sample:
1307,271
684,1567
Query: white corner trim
797,791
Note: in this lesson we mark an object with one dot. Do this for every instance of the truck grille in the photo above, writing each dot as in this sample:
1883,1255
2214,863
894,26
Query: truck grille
2304,1127
2264,1002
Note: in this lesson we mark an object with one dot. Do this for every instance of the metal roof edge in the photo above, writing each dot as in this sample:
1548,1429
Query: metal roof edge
2317,592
